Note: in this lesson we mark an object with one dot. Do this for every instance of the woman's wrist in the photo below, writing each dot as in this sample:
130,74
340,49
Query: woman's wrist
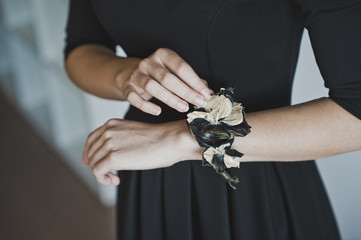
183,143
123,74
98,71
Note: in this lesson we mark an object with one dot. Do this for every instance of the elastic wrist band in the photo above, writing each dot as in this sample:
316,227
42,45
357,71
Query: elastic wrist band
214,126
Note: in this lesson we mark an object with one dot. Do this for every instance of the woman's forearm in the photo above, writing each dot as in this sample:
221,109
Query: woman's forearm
163,75
315,129
311,130
97,70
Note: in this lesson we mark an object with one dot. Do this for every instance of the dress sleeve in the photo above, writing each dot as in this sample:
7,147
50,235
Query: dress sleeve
83,27
334,27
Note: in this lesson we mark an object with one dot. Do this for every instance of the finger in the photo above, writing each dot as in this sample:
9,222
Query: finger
175,85
158,91
137,101
211,92
103,141
91,138
101,173
94,136
185,72
206,83
114,178
132,85
102,149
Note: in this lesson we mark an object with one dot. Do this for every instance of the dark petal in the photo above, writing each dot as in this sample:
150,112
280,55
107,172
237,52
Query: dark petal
198,121
204,161
219,142
228,93
233,153
204,140
230,141
218,164
208,139
232,181
196,127
208,135
219,130
239,130
198,124
200,109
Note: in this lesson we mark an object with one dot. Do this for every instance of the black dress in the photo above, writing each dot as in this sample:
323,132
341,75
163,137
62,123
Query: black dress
252,45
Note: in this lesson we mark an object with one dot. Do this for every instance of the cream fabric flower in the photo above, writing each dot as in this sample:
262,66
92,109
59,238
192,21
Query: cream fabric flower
229,161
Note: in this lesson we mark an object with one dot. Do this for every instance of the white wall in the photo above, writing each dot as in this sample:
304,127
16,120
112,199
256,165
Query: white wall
32,75
341,174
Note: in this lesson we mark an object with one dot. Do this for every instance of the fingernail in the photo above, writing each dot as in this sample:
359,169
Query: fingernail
205,93
183,107
156,111
199,101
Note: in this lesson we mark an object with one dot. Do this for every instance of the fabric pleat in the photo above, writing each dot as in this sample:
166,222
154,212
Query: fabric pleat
273,201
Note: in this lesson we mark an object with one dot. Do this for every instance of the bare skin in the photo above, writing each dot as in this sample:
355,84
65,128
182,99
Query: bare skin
314,129
163,75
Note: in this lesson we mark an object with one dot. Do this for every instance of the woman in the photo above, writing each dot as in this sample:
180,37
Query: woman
250,44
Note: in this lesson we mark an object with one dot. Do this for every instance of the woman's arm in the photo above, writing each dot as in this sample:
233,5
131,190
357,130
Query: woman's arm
163,75
97,70
311,130
315,129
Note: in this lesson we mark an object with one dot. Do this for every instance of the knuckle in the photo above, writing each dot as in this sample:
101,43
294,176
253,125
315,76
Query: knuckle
111,122
129,96
143,64
108,133
127,83
205,82
133,85
164,78
200,84
109,145
149,85
162,52
180,66
132,79
132,98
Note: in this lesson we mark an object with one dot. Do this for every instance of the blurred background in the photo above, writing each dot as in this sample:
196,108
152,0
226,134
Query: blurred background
45,191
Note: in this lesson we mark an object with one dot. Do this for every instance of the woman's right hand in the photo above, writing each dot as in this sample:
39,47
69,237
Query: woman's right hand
167,77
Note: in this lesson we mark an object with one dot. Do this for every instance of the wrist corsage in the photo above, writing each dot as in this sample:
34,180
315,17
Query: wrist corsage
214,126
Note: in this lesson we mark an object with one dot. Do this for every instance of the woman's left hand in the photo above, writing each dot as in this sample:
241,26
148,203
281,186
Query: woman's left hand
130,145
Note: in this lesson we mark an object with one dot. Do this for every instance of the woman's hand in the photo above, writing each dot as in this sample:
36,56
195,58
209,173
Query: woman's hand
129,145
167,77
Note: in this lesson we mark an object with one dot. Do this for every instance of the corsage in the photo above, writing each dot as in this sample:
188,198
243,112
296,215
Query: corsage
214,126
